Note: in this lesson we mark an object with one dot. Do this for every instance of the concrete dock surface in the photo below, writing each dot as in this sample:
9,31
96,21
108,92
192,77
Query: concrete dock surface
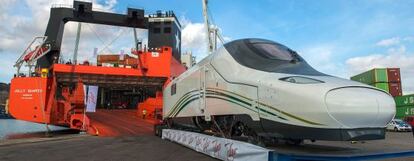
122,136
394,142
147,147
92,148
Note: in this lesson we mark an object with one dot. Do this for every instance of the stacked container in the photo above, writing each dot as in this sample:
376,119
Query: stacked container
387,79
116,60
405,106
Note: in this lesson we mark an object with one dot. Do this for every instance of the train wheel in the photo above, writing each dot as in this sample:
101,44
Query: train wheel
241,131
157,130
170,123
202,124
223,125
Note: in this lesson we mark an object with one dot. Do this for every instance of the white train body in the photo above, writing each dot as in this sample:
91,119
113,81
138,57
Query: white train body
278,94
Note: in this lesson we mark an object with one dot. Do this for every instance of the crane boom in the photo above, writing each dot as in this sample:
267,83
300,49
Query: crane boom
210,43
212,31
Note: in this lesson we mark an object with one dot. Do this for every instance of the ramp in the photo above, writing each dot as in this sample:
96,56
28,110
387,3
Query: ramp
119,122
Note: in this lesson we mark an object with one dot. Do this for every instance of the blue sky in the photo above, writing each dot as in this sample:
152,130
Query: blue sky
341,37
355,25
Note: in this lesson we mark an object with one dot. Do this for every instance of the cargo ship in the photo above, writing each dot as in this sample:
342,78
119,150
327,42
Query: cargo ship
60,93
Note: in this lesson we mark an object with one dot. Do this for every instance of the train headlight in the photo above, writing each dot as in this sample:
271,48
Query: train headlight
300,80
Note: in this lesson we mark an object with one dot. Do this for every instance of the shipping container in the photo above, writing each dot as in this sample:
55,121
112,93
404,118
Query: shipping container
404,111
406,100
395,89
131,61
394,75
116,59
104,58
377,75
383,86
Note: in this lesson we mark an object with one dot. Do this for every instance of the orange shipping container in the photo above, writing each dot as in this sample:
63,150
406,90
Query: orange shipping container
131,61
104,58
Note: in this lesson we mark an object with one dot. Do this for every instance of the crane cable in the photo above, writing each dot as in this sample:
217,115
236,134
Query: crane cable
212,31
99,37
116,38
219,36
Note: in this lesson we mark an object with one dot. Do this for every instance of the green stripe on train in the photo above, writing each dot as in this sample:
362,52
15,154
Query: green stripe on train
187,99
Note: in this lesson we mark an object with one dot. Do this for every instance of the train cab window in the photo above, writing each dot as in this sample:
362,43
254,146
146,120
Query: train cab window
269,56
173,89
271,51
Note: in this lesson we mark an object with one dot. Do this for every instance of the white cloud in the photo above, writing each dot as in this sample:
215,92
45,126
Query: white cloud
394,41
389,42
18,28
396,57
5,5
7,71
194,39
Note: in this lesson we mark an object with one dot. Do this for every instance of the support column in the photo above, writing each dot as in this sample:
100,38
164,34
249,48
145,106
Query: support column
103,97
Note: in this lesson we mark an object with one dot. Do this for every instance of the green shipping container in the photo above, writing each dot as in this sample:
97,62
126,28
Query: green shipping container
383,86
404,111
406,100
377,75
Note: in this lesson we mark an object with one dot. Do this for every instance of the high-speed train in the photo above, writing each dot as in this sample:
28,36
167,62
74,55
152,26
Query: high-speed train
260,88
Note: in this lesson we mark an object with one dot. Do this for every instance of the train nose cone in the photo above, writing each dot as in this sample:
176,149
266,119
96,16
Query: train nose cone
355,107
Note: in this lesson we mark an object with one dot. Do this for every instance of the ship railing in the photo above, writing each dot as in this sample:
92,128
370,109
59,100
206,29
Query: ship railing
71,7
62,6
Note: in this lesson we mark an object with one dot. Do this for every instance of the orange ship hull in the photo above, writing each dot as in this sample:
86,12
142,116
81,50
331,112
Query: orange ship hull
59,98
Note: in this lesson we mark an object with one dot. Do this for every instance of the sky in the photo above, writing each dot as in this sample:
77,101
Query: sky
340,38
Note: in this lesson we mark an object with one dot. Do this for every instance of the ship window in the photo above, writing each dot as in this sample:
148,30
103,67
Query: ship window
157,30
167,30
167,22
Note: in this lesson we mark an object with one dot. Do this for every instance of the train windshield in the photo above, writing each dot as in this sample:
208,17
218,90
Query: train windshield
269,56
